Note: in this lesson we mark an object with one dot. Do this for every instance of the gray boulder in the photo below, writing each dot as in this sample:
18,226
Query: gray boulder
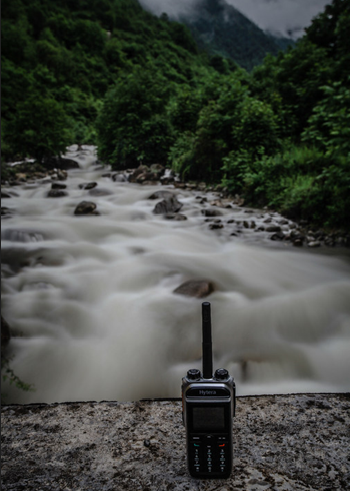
168,205
86,208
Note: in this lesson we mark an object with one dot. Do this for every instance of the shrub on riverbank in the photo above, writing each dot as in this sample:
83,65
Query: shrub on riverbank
301,182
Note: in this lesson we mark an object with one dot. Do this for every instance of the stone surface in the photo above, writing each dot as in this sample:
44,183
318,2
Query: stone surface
87,185
162,194
212,212
56,193
196,288
177,217
58,185
85,208
168,205
281,442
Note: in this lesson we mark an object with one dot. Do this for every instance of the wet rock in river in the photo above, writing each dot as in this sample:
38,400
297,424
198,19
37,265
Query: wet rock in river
277,236
58,185
216,225
168,205
58,174
212,212
247,224
297,238
144,173
177,217
217,202
141,169
87,185
196,288
273,228
86,208
56,193
162,194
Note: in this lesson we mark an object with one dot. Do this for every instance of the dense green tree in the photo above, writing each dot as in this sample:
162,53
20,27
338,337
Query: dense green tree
132,124
72,52
39,116
329,125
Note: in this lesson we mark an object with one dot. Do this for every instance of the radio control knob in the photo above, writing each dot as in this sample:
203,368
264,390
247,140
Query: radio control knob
193,374
221,374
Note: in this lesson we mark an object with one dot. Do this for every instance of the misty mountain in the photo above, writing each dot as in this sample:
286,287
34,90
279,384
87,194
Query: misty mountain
221,29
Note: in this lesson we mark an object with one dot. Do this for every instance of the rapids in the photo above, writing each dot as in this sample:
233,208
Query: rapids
93,315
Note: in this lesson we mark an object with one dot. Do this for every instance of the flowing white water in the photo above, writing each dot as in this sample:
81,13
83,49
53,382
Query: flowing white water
91,302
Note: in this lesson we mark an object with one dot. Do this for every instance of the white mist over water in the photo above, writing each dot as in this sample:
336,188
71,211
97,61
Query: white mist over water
90,299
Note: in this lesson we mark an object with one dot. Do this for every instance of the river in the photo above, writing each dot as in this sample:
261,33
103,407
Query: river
91,303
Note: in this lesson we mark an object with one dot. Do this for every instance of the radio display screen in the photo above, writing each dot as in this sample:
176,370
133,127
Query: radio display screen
208,418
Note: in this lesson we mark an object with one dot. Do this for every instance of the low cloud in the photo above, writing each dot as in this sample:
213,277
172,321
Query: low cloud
173,8
288,17
283,16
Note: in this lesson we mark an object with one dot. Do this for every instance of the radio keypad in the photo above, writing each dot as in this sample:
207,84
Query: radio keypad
209,453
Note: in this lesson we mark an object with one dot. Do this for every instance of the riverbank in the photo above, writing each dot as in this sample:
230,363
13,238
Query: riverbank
293,442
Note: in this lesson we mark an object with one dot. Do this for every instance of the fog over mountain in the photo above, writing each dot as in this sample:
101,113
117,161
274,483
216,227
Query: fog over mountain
280,17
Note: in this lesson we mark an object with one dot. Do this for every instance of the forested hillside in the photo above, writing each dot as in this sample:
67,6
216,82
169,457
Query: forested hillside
59,57
107,72
221,29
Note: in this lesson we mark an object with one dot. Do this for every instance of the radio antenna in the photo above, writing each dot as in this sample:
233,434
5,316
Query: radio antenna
207,355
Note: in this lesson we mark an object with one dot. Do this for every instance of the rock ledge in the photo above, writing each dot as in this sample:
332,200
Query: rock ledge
281,442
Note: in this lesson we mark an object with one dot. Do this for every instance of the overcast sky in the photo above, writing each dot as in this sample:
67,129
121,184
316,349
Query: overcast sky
273,15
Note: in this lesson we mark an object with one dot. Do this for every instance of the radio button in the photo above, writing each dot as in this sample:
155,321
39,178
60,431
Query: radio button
194,374
221,374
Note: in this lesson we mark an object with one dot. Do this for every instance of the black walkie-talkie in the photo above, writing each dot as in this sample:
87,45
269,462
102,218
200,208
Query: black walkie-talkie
208,409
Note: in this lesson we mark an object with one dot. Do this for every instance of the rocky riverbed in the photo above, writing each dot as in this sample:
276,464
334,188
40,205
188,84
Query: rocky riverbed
218,207
281,442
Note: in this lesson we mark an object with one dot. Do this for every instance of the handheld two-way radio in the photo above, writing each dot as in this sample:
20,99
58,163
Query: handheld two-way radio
208,409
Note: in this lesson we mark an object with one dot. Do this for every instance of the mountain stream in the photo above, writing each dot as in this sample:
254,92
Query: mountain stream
93,313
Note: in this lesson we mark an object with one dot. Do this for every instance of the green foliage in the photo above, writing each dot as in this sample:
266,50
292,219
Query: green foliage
307,90
329,125
107,71
8,376
65,56
302,182
39,116
132,124
256,126
232,122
